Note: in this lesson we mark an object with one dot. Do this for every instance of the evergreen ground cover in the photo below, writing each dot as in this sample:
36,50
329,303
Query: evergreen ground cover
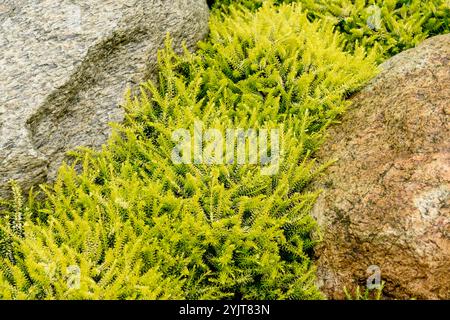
387,26
132,224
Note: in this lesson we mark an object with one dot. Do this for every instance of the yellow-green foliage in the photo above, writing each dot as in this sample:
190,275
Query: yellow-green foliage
389,26
139,227
358,294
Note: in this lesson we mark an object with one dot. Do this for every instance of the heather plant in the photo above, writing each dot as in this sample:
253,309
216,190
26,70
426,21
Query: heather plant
128,223
365,294
387,26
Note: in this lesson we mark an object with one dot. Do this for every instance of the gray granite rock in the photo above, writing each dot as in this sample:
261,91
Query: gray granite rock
65,66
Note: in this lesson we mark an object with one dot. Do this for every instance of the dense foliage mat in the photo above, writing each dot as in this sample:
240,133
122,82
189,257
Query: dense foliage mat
388,26
134,225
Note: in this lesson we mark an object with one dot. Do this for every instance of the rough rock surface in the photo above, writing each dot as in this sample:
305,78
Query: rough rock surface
386,202
65,66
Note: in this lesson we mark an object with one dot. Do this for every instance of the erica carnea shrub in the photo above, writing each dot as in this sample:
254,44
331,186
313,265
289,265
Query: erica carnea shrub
388,26
134,225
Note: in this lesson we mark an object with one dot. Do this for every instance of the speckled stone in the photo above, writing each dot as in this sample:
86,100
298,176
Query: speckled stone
64,67
386,201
